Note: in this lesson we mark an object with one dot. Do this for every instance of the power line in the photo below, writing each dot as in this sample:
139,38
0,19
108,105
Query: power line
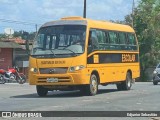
18,28
18,22
21,22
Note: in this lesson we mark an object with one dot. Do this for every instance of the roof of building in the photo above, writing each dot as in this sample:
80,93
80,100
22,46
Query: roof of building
17,40
9,45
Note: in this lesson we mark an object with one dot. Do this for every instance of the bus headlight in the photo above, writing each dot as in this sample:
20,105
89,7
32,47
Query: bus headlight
34,70
75,68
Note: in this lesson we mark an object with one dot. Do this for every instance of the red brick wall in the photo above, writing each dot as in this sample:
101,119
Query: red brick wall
6,58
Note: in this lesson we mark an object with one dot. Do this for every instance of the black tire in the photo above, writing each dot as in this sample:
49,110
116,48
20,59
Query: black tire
119,86
21,80
41,91
2,80
92,88
155,83
127,84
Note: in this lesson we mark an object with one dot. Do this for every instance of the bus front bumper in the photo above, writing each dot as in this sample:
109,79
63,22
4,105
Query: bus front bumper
59,79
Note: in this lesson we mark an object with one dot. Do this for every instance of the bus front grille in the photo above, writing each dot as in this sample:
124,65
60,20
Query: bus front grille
60,79
53,70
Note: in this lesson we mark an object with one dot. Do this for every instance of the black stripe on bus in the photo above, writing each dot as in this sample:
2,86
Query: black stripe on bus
113,58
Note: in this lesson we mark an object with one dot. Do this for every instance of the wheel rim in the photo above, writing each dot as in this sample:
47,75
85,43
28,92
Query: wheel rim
22,80
128,81
94,84
1,79
12,77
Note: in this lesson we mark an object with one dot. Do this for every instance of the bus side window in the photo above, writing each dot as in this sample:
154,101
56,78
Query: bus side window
107,37
93,41
107,46
113,40
89,49
131,41
101,39
122,40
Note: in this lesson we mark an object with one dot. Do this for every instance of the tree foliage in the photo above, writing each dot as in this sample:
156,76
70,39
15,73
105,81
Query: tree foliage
147,26
25,35
22,34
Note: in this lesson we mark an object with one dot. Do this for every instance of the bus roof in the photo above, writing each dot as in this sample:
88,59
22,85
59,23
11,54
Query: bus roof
76,20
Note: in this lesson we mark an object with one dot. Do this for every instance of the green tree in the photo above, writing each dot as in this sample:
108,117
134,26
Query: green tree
147,27
25,35
2,36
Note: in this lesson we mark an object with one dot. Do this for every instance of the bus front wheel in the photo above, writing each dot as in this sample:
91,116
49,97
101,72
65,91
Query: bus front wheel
41,91
92,88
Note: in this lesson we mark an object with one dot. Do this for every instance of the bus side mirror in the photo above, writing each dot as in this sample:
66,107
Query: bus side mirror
27,47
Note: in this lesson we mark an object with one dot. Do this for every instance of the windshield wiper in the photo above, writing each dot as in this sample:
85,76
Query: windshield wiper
52,52
44,56
69,50
36,48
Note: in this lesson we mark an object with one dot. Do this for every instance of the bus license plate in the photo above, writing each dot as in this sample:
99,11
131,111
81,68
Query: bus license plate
52,79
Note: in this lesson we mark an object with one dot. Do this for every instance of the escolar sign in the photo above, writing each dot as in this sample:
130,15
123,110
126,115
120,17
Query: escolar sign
128,57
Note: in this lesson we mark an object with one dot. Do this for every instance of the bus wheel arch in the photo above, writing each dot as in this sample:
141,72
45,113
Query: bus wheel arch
95,72
130,72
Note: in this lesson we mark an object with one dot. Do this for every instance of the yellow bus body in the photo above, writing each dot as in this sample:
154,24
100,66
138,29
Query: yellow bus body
107,73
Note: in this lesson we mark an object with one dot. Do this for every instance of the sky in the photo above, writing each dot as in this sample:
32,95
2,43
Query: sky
25,14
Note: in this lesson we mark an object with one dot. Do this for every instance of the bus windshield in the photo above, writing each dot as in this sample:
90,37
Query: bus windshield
60,40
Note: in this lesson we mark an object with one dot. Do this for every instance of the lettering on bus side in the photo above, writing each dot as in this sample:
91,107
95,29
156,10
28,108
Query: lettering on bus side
105,58
52,62
96,58
128,57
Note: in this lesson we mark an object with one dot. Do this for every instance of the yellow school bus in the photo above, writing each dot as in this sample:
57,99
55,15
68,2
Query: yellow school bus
75,53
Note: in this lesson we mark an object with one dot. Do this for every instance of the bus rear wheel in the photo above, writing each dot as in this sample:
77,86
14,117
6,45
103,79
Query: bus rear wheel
127,84
41,91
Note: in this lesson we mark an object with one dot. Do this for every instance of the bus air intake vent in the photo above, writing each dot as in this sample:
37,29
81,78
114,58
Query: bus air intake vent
53,70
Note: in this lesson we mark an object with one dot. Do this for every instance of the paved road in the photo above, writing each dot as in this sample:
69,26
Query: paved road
142,97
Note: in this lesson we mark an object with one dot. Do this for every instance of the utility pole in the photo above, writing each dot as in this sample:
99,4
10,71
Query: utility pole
84,10
133,13
36,27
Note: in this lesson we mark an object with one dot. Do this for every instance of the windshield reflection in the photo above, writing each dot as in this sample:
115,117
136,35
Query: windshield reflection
60,40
